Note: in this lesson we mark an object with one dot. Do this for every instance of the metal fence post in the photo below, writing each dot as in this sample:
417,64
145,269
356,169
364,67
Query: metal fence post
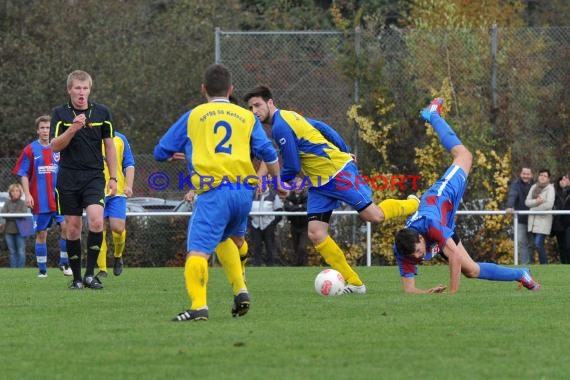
516,237
368,244
217,49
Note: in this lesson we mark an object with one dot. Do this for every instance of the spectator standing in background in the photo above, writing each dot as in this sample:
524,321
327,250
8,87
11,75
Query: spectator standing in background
297,201
263,226
541,198
15,241
561,223
518,191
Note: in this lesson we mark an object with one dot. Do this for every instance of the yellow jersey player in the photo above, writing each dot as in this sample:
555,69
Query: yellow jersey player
217,139
314,148
116,205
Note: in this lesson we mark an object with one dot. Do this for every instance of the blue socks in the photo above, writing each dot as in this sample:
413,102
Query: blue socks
446,135
63,260
41,257
496,272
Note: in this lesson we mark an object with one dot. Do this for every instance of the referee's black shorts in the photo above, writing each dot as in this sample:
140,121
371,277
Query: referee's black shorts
77,189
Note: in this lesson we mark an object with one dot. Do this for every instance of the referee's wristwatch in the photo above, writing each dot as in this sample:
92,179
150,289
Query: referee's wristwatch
114,179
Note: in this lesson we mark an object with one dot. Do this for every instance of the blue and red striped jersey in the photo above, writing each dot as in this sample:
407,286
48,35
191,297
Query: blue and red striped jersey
40,164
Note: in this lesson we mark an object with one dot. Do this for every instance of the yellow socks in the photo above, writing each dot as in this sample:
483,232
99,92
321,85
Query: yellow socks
196,279
334,256
243,250
229,257
393,208
119,243
102,258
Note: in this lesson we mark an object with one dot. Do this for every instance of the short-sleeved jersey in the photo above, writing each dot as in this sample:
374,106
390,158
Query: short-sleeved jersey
435,218
40,164
84,149
218,138
308,145
125,159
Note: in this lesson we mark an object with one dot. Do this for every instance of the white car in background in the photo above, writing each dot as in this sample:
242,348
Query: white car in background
3,198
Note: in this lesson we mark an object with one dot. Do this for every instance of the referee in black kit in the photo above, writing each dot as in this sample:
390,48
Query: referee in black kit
77,129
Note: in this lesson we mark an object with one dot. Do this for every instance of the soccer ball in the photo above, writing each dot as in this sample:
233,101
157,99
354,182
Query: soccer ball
329,282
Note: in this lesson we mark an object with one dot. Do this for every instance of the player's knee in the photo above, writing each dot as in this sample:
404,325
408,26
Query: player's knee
463,156
471,273
316,236
73,233
372,213
238,240
468,156
96,225
41,237
118,229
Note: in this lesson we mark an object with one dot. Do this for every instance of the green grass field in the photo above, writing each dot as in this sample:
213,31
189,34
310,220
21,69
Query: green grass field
489,330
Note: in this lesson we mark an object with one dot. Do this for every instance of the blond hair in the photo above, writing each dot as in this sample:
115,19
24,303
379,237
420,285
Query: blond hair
79,75
15,186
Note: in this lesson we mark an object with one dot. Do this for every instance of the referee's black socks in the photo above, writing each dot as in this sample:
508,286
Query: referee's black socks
94,241
74,254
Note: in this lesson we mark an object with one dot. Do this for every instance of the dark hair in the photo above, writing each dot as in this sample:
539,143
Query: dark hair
544,171
217,80
406,240
557,186
262,92
42,119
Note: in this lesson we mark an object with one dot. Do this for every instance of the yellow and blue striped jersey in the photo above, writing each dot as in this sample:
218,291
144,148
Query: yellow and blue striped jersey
125,159
218,139
308,145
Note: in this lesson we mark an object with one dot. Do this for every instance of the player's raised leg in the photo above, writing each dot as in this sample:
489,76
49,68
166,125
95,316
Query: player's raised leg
461,155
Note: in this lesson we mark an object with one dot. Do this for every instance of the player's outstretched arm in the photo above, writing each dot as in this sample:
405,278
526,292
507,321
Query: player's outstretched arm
409,284
454,259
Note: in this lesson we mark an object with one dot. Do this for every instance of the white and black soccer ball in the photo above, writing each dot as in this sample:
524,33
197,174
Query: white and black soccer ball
329,282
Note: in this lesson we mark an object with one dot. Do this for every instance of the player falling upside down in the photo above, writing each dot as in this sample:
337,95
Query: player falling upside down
431,230
317,150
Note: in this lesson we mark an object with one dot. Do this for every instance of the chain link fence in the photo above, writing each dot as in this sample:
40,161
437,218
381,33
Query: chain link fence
515,81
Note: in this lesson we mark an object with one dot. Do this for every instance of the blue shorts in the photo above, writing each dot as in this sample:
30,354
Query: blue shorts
115,207
218,214
345,187
43,221
442,199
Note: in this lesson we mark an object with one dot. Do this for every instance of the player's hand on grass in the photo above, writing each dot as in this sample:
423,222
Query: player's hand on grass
438,289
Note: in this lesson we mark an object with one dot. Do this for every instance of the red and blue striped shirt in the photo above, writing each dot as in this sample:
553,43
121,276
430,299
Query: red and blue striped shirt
40,164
